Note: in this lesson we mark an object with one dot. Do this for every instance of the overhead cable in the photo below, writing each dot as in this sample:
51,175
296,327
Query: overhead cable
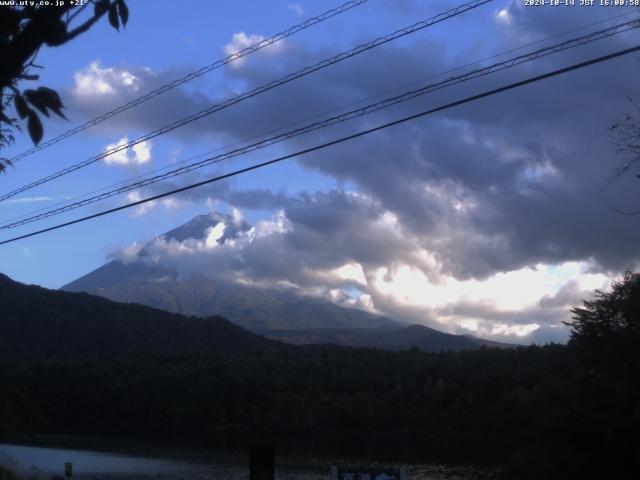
405,119
359,112
257,91
193,75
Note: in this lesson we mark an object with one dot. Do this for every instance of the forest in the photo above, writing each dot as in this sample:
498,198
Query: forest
554,411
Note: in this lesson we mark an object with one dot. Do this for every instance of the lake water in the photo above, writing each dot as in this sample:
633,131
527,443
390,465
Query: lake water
41,463
50,461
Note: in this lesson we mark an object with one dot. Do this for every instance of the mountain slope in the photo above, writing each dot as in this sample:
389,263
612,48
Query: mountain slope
277,313
258,309
386,338
254,308
37,323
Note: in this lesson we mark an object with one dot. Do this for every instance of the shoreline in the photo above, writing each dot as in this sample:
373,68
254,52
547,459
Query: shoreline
230,464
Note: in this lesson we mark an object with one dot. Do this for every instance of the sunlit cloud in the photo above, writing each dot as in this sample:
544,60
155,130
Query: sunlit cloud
139,154
240,41
97,81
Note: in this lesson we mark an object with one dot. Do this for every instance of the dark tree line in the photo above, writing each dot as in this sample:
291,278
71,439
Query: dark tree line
546,412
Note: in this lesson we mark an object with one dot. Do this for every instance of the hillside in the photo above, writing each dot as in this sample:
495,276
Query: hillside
277,313
37,323
256,309
385,338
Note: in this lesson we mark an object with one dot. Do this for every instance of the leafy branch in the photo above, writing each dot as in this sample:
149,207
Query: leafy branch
23,31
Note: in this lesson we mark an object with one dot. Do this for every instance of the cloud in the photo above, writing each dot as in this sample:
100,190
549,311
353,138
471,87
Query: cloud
99,89
35,199
128,254
142,209
350,250
171,204
139,154
97,81
487,189
488,218
296,8
503,16
240,41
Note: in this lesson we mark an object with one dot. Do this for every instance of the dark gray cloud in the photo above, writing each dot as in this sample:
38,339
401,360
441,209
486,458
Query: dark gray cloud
336,243
99,88
532,163
498,185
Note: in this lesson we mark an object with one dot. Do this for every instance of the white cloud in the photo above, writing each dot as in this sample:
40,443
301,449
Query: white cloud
35,199
412,286
240,41
361,301
351,271
96,81
215,234
481,306
130,253
296,8
120,157
142,152
143,208
139,154
280,224
515,330
503,17
171,204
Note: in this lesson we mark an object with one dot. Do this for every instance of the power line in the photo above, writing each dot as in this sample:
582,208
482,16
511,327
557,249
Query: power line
193,75
318,115
472,98
259,90
499,66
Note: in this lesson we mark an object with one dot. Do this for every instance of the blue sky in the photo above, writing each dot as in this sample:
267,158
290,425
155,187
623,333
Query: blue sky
489,219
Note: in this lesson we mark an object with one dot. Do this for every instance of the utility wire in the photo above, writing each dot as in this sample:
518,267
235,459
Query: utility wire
528,57
315,116
259,90
472,98
193,75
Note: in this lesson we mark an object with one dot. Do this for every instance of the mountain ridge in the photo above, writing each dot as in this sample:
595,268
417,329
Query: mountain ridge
392,338
277,313
251,307
38,323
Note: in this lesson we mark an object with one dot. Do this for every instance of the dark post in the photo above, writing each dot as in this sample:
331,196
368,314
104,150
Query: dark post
262,462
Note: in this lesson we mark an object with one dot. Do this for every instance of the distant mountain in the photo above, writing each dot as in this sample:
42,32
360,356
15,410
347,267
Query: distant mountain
254,308
386,338
37,323
280,314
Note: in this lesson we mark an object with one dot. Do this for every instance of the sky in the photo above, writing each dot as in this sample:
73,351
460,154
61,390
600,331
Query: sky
494,218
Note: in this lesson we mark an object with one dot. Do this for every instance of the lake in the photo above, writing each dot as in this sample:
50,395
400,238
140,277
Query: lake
42,463
46,462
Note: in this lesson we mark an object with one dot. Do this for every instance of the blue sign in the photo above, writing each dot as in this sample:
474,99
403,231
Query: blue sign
364,473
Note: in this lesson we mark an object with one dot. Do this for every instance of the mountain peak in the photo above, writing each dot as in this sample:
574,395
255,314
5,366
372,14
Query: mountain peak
199,291
201,227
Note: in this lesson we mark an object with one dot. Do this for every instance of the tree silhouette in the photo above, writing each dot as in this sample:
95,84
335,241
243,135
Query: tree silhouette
23,31
610,322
